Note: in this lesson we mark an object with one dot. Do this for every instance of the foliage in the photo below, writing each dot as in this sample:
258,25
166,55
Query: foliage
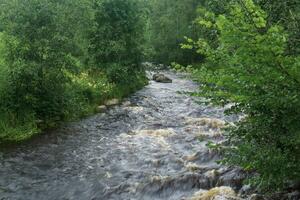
287,14
169,21
181,68
16,129
116,39
60,59
249,67
37,50
85,91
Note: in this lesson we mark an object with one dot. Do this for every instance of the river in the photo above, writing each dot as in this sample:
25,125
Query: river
151,147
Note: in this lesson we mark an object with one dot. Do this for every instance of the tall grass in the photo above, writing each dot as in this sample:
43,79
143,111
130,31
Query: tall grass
16,129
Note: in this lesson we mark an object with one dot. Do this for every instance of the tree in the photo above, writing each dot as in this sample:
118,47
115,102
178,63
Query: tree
40,45
287,14
116,37
249,68
56,55
169,21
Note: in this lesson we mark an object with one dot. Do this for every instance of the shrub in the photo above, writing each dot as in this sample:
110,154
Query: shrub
250,69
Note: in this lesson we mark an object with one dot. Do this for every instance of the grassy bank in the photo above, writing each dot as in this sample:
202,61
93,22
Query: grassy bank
59,60
83,94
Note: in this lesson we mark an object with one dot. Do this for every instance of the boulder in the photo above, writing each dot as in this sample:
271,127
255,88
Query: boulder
161,78
112,102
212,176
126,103
211,123
161,66
246,190
39,122
256,197
233,178
218,193
101,108
156,133
294,195
192,167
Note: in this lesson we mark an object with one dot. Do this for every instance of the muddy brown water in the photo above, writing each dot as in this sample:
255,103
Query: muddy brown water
151,147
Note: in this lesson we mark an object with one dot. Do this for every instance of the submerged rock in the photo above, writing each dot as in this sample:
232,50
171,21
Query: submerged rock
169,184
233,178
192,157
192,167
157,133
212,176
161,78
126,103
212,123
202,135
218,193
161,66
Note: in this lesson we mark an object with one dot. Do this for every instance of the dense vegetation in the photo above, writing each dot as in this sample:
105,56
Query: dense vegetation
250,52
252,67
59,59
168,23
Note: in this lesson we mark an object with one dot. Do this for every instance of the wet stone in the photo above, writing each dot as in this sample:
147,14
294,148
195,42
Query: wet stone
218,193
101,109
112,102
233,178
294,195
246,190
161,78
256,197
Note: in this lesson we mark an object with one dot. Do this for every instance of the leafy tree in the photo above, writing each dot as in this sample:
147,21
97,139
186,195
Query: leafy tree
169,21
56,55
116,37
287,14
37,53
249,67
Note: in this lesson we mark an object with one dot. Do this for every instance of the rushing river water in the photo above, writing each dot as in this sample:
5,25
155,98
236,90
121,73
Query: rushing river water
153,146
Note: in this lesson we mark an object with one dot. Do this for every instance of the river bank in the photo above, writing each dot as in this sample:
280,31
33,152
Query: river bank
151,146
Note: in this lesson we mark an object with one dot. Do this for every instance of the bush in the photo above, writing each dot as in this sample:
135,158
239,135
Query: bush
15,129
46,73
249,68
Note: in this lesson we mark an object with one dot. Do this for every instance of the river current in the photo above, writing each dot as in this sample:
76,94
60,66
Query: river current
150,147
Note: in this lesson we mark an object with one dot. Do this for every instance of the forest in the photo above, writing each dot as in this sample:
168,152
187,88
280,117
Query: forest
60,60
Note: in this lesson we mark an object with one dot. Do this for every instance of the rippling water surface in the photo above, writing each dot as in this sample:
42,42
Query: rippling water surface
150,147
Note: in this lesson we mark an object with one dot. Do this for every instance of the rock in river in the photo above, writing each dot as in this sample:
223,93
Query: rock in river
161,78
218,193
101,109
112,102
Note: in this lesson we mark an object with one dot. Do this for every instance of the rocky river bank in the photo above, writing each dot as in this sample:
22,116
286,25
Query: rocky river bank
150,147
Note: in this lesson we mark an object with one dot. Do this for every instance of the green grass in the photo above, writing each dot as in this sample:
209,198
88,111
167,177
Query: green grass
83,94
13,130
